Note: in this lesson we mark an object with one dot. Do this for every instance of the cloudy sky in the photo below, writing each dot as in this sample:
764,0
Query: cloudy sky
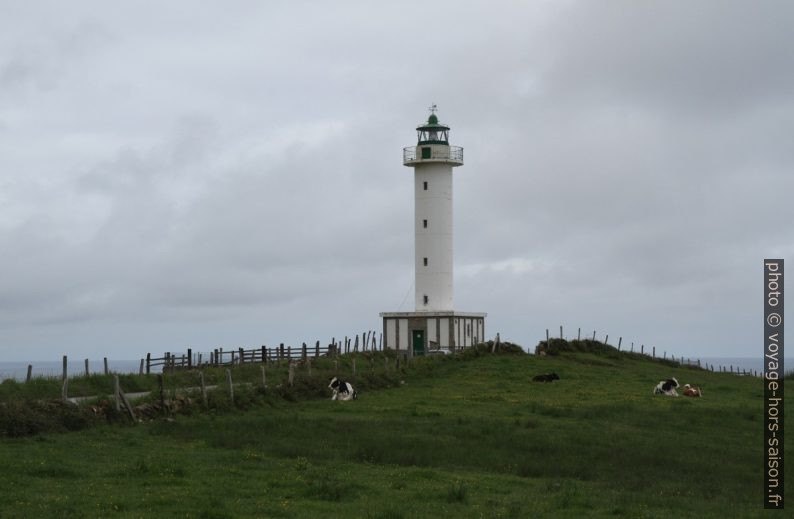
226,174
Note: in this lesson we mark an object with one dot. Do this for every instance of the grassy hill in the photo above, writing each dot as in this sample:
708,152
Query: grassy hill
462,437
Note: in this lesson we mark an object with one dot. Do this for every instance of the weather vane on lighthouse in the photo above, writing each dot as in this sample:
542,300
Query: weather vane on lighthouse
435,324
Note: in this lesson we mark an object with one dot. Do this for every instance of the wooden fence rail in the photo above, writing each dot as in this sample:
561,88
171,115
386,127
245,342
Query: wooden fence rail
263,354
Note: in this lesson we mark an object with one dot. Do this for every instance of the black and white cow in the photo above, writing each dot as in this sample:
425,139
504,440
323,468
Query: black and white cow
342,390
666,387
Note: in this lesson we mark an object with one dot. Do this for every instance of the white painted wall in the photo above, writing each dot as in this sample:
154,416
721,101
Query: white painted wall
403,334
435,241
443,340
391,333
431,330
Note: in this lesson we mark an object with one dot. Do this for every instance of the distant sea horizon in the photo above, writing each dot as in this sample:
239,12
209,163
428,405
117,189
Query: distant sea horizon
17,370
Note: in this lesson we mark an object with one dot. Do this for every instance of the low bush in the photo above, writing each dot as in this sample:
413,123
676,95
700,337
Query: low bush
25,418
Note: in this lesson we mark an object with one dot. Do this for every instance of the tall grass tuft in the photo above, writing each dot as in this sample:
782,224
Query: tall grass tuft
458,492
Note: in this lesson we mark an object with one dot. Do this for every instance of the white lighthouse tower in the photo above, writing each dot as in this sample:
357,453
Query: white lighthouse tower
435,324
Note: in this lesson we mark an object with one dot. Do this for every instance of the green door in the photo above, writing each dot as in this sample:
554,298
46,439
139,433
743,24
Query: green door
419,342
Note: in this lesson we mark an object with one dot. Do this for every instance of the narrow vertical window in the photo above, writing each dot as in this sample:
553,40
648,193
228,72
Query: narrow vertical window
425,186
425,262
424,224
426,299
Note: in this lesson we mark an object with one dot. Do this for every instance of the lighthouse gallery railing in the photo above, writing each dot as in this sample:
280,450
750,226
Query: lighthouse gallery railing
436,152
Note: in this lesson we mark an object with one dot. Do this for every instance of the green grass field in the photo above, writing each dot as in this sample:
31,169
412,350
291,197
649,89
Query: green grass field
460,438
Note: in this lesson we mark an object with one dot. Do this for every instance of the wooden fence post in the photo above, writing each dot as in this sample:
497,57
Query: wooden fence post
620,341
117,392
263,352
86,368
140,371
304,353
579,335
30,373
189,358
161,390
289,353
317,350
280,351
654,352
242,356
229,383
606,340
547,336
107,371
380,341
203,388
560,331
355,348
148,363
63,377
594,334
127,404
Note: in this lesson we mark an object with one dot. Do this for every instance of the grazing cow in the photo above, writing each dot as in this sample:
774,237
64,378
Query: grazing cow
342,390
666,387
548,377
692,391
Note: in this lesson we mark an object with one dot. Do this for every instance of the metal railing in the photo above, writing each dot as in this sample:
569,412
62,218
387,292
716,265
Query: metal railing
413,153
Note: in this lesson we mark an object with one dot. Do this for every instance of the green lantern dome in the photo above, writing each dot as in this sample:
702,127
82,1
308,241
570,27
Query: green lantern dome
433,132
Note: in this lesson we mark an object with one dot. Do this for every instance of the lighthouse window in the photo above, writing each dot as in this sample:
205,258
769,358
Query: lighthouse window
426,299
425,262
425,186
424,224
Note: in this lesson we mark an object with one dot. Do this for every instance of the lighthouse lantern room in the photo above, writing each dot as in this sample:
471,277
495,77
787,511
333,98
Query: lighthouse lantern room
434,325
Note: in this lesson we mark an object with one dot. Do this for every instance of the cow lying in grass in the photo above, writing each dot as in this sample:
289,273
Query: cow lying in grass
548,377
693,391
342,390
666,387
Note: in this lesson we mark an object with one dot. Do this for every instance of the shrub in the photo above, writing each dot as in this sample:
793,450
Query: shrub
26,418
556,346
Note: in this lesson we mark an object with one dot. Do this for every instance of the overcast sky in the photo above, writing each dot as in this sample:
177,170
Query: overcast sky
227,174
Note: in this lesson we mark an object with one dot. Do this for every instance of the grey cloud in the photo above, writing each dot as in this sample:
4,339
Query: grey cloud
235,174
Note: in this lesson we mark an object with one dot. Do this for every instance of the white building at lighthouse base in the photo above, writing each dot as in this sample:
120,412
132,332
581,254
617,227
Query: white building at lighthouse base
420,332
